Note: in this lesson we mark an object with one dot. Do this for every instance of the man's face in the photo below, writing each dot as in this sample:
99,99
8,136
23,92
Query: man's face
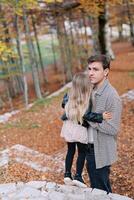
96,73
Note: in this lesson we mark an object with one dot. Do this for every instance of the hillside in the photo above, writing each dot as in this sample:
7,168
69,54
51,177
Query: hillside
39,128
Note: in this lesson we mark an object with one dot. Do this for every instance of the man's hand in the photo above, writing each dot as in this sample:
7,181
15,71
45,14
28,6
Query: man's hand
107,115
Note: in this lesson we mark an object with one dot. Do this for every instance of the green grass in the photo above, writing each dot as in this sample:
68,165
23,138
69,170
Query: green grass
23,124
131,74
45,102
46,52
40,103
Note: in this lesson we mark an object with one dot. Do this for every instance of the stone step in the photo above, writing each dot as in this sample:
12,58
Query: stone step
43,190
33,159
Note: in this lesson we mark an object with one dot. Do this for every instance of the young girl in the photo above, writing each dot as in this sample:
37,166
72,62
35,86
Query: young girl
76,104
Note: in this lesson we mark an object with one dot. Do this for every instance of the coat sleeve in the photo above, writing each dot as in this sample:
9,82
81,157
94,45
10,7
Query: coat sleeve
110,127
65,100
93,117
64,117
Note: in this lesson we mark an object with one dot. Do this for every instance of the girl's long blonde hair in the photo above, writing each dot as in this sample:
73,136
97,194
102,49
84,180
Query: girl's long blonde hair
79,96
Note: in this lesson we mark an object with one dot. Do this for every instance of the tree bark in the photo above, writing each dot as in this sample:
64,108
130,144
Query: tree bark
38,48
21,59
32,56
68,54
53,50
107,37
95,39
8,94
130,22
64,49
101,34
104,35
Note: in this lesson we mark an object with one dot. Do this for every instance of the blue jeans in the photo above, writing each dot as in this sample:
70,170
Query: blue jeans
99,178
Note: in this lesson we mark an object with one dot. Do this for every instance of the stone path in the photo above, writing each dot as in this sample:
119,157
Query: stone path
43,190
39,190
34,159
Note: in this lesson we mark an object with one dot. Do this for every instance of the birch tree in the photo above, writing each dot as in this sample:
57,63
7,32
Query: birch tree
21,58
32,55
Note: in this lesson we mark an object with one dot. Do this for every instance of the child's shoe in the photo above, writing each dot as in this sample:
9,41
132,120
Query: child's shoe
78,181
68,180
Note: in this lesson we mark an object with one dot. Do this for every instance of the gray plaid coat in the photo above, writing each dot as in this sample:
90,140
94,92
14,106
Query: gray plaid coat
105,133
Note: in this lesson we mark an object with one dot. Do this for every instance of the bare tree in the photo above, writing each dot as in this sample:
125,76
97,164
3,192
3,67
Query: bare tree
38,48
32,55
130,21
21,58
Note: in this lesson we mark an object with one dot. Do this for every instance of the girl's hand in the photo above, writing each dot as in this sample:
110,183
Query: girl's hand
107,115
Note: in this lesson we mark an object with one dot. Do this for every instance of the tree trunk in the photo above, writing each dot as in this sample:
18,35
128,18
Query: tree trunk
68,55
32,56
120,30
86,35
78,47
1,103
72,42
63,50
130,21
38,48
53,50
9,95
104,35
95,39
61,46
107,38
85,45
21,56
101,34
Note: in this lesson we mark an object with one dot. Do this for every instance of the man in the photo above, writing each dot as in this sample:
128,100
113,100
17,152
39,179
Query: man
102,137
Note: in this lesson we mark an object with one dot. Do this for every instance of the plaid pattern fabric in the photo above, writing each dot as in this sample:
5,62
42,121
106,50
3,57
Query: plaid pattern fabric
105,133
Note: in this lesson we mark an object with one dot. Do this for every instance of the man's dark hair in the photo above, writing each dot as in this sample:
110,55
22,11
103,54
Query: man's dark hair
105,60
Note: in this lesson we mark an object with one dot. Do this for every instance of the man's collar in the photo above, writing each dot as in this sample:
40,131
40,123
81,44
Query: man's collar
99,91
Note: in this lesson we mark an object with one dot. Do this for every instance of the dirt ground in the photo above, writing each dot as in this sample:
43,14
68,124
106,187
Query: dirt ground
39,128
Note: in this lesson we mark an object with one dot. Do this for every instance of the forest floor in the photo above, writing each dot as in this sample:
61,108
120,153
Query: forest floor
39,129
